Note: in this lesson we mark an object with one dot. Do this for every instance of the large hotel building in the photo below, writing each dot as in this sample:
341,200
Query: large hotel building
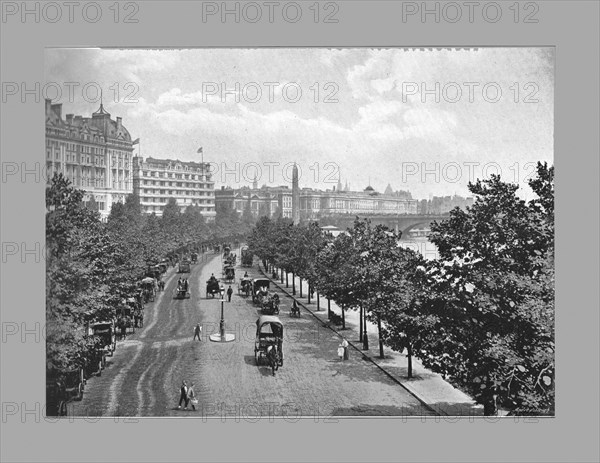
94,153
190,183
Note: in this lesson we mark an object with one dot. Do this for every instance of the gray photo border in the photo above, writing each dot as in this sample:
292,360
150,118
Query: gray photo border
571,26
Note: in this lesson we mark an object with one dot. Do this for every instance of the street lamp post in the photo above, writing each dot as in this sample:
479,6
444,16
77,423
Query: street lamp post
222,322
222,336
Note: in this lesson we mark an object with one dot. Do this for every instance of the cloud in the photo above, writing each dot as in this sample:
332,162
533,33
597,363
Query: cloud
367,132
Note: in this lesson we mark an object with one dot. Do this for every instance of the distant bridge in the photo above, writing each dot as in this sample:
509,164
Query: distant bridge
402,222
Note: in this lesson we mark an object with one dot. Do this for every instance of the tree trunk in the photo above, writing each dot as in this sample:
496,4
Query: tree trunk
318,302
293,283
328,308
490,406
343,318
409,355
381,356
360,325
308,295
281,276
365,332
300,286
287,283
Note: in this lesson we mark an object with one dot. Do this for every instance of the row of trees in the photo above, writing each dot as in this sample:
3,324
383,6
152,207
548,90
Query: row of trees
92,266
482,314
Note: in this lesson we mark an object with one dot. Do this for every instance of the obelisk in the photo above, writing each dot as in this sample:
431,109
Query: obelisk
295,196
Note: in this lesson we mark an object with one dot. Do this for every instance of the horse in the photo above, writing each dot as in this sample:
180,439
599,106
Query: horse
273,358
295,310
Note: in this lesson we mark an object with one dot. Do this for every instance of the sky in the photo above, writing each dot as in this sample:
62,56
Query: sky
424,120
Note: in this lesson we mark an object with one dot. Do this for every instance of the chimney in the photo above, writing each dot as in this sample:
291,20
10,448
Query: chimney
48,104
118,123
57,108
70,119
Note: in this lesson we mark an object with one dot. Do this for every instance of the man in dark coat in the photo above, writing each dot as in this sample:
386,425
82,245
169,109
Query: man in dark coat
229,293
183,396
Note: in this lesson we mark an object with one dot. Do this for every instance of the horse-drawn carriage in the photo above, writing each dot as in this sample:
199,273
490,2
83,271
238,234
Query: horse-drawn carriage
270,304
149,286
153,270
105,332
62,387
269,341
214,287
247,257
163,265
125,323
184,266
182,290
226,252
194,257
245,286
260,288
229,272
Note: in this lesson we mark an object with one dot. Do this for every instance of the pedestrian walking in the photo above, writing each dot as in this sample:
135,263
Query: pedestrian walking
183,396
340,352
345,346
197,332
192,396
229,293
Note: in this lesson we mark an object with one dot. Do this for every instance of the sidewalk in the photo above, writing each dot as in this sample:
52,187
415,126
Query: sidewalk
428,387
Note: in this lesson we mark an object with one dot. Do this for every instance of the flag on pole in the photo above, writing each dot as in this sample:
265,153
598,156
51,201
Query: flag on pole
136,141
199,150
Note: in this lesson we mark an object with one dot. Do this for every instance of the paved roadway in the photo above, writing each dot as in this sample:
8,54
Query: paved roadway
145,373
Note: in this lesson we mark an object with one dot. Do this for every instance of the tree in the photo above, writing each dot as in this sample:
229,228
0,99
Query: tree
490,297
308,242
402,317
261,240
338,273
92,205
171,214
74,283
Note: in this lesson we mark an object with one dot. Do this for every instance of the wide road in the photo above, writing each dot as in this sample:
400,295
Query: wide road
145,373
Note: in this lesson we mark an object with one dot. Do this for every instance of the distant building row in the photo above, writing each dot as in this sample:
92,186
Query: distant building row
443,204
314,204
96,155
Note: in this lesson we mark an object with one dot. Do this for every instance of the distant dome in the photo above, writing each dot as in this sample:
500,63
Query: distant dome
369,188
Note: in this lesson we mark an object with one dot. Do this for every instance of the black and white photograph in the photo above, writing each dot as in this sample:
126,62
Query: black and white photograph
299,233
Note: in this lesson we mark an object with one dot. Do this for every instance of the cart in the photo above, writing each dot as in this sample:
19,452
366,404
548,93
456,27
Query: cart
269,341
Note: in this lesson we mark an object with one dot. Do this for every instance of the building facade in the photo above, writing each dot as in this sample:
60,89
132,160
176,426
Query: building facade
94,153
189,183
315,204
444,204
265,201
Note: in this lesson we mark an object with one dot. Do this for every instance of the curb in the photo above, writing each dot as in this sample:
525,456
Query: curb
364,356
